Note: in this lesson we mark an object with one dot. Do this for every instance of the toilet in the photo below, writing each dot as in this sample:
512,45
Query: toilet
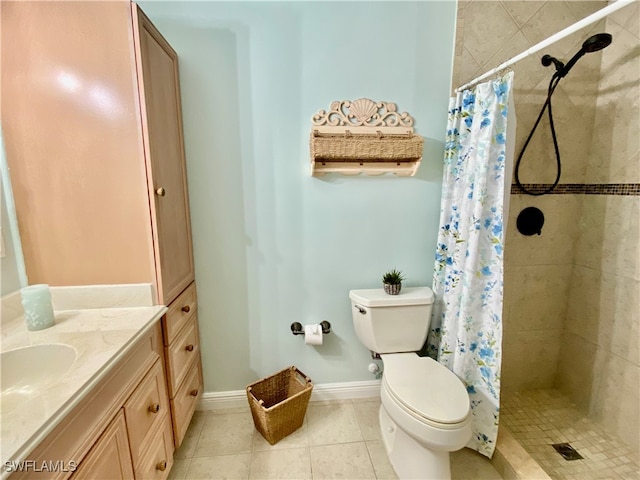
425,412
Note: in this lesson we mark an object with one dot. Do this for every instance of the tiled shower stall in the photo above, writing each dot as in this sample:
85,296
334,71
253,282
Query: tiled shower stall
571,305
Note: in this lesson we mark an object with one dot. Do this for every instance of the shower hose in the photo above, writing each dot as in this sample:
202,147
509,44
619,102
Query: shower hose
555,79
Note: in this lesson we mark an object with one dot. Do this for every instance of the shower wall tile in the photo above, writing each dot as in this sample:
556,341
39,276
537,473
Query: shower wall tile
574,133
608,235
581,10
576,369
550,19
484,38
616,142
632,24
468,68
605,309
616,405
556,243
516,44
538,163
528,75
628,17
535,297
530,359
574,138
521,11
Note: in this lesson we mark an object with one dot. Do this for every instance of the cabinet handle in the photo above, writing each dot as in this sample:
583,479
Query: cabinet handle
194,392
186,309
189,348
155,408
161,191
162,466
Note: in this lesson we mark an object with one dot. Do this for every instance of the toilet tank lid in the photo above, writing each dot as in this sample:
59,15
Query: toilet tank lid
377,297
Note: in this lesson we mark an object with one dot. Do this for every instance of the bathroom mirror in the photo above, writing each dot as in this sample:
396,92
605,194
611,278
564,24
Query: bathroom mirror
13,275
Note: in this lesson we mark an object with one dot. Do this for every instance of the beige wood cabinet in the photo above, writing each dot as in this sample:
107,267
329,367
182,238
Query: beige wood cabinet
92,124
121,429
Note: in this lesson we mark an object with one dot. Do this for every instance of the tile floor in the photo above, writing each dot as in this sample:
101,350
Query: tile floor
540,418
336,440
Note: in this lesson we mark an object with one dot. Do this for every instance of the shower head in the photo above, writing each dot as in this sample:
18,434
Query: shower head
591,44
597,42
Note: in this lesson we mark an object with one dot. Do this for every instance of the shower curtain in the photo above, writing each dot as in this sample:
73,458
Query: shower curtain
466,331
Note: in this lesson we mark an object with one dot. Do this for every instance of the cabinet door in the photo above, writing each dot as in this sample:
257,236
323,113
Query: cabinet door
164,151
109,458
73,140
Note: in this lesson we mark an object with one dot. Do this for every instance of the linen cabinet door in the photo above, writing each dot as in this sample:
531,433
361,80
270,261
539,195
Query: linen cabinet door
72,136
165,161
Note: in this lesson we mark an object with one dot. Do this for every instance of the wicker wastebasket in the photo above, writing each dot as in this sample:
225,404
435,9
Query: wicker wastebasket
279,402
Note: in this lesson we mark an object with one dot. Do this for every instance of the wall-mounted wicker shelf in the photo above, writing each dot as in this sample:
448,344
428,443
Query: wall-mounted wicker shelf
364,136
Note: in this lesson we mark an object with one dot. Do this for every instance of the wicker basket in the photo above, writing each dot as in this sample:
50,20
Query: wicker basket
366,148
279,402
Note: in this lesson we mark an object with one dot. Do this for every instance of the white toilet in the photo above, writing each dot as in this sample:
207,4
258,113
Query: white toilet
425,411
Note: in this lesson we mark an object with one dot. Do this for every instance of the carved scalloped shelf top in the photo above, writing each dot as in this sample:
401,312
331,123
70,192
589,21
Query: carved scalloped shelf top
362,115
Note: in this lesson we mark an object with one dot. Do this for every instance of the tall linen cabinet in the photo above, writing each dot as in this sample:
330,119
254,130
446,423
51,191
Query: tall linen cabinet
92,126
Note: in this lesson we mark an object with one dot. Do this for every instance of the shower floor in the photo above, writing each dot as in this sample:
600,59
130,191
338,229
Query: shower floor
540,418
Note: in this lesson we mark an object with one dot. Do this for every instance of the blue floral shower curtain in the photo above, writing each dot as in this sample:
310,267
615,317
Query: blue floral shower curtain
466,332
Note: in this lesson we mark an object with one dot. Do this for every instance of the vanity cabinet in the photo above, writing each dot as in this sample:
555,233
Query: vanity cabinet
92,125
121,429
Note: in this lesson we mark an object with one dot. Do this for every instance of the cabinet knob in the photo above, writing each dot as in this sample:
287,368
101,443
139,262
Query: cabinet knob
186,309
194,392
162,466
161,191
189,348
155,408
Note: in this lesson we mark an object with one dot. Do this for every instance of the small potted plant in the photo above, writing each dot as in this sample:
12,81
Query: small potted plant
392,281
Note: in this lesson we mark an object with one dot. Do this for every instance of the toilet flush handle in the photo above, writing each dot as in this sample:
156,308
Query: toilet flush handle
360,309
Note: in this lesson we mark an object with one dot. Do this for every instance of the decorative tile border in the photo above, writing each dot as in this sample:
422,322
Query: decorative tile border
581,188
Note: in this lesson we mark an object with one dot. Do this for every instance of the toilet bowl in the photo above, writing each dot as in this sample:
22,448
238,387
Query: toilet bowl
425,411
428,415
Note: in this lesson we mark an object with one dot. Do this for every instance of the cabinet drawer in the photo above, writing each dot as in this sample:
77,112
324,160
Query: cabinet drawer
185,401
157,459
182,354
180,311
146,408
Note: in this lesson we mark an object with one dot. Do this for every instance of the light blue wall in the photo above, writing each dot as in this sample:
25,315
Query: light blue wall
272,244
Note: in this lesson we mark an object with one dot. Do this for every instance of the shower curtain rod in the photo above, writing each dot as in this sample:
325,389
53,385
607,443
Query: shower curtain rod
594,17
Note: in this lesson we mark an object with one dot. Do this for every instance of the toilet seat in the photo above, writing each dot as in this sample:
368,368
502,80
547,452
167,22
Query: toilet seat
425,389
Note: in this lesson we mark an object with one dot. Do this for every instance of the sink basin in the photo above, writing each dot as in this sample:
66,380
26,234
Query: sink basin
27,371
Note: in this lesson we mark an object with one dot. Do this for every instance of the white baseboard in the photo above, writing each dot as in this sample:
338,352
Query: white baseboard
321,393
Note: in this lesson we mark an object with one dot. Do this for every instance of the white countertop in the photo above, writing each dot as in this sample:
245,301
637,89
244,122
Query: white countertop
100,337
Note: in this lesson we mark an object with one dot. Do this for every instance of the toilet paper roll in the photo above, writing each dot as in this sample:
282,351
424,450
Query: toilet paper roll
313,334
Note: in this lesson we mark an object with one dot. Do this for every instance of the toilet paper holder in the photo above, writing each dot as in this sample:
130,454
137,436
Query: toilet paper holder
298,329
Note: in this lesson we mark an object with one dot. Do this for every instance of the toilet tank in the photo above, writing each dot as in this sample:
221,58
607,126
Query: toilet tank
392,323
